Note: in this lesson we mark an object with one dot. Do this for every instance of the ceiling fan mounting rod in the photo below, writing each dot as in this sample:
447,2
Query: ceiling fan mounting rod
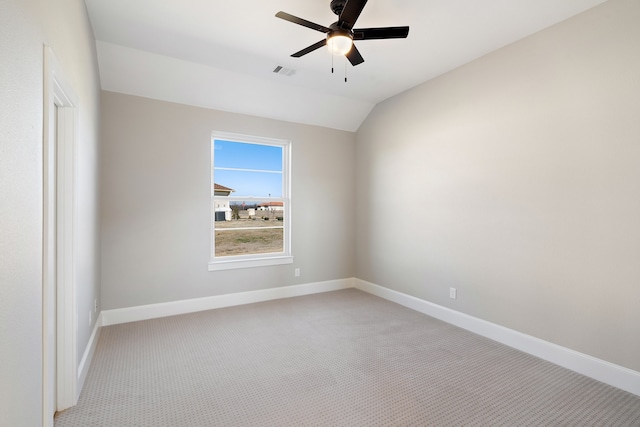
337,6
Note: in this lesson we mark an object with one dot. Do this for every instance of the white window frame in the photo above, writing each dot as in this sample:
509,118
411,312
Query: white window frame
254,260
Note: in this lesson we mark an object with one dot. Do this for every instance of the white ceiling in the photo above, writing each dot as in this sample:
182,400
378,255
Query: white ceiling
221,54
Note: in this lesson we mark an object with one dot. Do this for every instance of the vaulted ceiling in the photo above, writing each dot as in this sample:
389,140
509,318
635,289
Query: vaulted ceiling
222,54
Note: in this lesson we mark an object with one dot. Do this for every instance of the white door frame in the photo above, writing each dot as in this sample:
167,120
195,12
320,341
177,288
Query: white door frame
59,373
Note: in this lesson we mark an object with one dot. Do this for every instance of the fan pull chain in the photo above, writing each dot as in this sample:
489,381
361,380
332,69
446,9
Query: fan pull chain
345,69
331,49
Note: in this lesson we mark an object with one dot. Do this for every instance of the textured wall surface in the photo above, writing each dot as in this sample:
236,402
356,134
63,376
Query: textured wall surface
25,27
156,206
20,216
516,181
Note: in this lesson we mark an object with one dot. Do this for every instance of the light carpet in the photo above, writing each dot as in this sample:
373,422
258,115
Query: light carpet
343,358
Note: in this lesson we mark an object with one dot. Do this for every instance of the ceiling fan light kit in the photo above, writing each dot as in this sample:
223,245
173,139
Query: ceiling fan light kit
341,34
339,44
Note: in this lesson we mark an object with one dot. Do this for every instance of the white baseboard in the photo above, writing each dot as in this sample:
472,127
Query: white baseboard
608,373
152,311
87,356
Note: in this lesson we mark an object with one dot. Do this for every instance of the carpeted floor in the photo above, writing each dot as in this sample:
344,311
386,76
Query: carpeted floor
343,358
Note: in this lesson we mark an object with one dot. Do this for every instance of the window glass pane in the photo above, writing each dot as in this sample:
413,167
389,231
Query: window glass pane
229,154
249,183
256,234
250,200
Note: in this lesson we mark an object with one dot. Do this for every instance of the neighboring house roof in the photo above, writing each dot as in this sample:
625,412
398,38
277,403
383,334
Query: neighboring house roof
221,190
268,204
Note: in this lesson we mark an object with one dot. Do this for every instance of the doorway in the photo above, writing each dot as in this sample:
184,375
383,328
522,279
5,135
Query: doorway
59,373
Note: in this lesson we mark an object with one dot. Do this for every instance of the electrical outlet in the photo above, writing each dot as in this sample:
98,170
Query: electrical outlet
453,293
95,305
296,272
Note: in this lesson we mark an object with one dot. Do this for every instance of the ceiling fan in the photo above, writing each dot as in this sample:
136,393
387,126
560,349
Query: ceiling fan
341,34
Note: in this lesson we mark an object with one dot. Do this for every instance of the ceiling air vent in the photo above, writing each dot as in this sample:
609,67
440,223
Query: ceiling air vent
284,71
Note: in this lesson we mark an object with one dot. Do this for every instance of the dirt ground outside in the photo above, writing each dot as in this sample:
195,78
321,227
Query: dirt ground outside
248,236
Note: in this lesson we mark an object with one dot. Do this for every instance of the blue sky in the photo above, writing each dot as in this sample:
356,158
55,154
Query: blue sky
260,167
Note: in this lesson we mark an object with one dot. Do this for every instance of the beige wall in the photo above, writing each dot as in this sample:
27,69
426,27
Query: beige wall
25,25
518,177
155,163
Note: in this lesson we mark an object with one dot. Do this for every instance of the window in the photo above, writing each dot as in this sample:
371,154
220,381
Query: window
250,201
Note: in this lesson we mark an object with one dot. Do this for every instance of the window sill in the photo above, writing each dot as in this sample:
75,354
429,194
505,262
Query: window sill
249,263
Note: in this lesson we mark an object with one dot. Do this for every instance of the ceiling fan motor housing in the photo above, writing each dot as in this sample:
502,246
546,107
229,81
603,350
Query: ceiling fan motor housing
336,30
